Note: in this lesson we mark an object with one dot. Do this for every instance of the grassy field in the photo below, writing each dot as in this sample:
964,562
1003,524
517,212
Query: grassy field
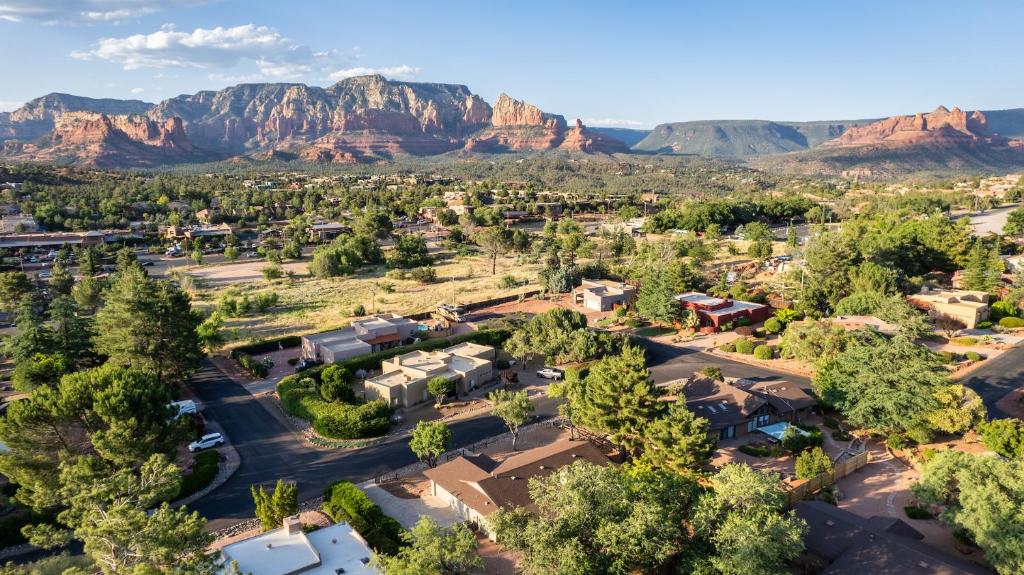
309,304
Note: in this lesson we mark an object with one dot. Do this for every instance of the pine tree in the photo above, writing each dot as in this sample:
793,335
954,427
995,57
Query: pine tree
32,335
983,270
620,398
272,508
654,302
71,332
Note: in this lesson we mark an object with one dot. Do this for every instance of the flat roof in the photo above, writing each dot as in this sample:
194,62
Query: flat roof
708,300
321,552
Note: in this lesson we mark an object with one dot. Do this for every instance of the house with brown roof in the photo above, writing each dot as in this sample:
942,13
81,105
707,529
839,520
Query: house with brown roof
741,407
843,543
476,486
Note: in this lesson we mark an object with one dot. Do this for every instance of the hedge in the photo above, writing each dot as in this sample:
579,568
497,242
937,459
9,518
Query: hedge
300,398
203,472
343,501
1011,322
964,340
267,346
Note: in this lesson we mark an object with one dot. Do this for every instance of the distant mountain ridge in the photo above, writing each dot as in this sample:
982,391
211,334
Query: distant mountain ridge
365,118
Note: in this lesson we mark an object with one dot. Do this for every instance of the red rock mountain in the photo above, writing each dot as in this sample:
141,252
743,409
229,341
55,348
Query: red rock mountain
942,126
364,118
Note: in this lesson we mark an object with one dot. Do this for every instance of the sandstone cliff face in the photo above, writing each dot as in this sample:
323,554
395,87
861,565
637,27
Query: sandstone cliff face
582,139
518,126
942,127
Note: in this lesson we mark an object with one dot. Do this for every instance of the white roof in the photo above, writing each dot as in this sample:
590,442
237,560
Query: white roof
707,300
322,552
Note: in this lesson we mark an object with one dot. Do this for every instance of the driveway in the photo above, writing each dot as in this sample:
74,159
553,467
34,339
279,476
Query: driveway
408,511
668,362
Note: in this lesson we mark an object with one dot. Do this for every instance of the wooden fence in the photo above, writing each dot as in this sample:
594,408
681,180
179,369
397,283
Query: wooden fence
801,488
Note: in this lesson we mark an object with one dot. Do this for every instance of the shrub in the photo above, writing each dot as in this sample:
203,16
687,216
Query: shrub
773,325
1002,308
897,441
984,324
343,501
508,281
1004,436
634,322
293,361
424,274
359,310
965,340
795,442
947,356
764,352
256,368
728,347
742,321
335,386
1011,322
812,463
272,272
714,372
300,398
917,512
395,274
745,331
207,463
744,346
973,356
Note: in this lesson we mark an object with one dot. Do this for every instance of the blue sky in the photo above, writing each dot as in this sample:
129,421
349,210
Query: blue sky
633,64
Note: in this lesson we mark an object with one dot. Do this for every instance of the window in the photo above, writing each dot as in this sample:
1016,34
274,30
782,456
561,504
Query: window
760,421
727,432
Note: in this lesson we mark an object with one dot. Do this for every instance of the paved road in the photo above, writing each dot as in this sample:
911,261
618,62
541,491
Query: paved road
997,377
271,450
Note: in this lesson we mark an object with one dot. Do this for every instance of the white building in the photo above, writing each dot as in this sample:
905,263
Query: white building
289,551
404,378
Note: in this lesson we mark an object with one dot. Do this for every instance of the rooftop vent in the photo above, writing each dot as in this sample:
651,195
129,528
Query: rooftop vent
830,523
270,545
575,455
512,477
334,541
364,560
339,570
542,467
922,564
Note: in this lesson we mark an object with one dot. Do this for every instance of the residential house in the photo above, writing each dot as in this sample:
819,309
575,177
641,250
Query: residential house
966,307
403,381
476,486
716,312
18,224
603,295
290,551
192,232
741,407
857,322
205,215
844,543
632,226
373,334
326,231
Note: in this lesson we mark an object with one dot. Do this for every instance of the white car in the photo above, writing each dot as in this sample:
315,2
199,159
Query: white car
549,373
205,442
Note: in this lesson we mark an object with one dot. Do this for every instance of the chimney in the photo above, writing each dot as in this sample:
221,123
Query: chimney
292,525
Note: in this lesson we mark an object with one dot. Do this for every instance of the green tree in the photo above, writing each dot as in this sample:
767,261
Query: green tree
149,324
231,253
118,515
884,384
410,251
335,384
32,336
72,332
655,301
61,279
984,269
760,250
1004,436
792,240
433,550
959,410
38,370
14,286
272,508
983,496
757,544
495,241
440,387
88,293
620,398
679,440
374,224
812,463
211,338
430,440
513,408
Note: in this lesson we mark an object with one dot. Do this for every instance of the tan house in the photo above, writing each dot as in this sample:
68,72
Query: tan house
858,322
603,295
476,486
373,334
964,306
404,378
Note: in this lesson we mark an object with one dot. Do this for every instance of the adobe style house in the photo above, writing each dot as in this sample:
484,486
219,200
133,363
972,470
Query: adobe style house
843,543
716,312
741,407
858,322
404,378
603,295
967,307
288,550
476,486
373,334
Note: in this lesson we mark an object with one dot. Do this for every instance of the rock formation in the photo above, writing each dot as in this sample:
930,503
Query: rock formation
942,127
582,139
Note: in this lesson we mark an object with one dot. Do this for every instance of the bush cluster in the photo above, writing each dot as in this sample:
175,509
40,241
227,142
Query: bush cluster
773,325
973,356
1011,322
795,442
250,364
300,398
744,346
207,463
764,352
343,501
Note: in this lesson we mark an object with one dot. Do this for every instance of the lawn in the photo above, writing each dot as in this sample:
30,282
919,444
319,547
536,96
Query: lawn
654,331
309,304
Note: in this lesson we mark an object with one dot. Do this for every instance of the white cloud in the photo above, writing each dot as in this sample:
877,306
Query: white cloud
137,90
84,11
612,122
9,105
202,48
403,72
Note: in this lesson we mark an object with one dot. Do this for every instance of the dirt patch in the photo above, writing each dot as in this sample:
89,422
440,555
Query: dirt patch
407,487
497,559
1012,403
